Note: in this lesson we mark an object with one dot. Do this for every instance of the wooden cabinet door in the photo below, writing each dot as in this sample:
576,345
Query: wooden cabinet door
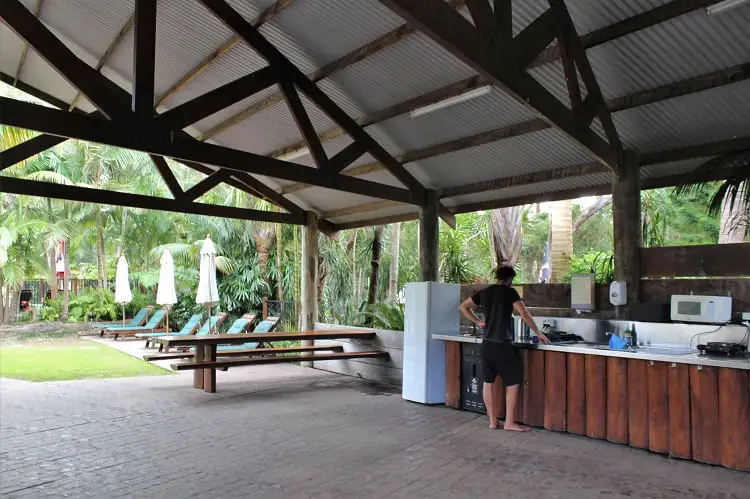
678,378
555,391
638,403
533,394
658,407
734,418
596,396
453,374
617,400
576,393
704,414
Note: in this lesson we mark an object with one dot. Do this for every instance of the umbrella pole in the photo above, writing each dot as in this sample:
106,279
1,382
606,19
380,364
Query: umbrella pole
123,315
167,319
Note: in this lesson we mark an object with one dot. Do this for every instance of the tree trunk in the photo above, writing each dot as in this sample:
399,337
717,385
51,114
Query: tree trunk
592,210
507,235
52,277
561,247
66,280
11,312
393,270
101,254
2,300
734,219
280,274
377,243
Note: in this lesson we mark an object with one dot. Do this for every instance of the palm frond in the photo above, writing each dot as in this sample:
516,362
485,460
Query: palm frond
734,167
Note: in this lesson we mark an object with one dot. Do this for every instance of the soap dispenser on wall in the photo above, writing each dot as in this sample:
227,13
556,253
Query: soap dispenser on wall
618,293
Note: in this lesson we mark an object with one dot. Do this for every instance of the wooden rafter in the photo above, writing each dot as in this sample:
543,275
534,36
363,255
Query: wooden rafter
84,194
108,53
25,50
144,58
698,84
343,62
606,34
236,22
267,15
305,126
151,136
163,142
463,40
207,184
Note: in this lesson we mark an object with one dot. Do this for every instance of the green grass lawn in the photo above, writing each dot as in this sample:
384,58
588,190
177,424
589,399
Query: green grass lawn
70,359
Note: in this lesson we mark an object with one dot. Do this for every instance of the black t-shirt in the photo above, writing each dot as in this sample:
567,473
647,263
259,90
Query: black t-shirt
497,302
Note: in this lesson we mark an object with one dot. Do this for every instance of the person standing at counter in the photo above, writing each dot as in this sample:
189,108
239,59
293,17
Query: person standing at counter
499,357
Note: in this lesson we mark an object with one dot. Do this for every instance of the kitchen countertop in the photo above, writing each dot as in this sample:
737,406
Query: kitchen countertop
589,349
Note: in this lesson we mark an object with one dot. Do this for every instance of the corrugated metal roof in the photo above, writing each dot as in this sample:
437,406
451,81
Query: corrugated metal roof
515,156
312,33
531,189
413,66
716,114
673,168
682,48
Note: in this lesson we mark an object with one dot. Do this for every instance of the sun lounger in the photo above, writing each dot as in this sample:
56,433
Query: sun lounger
267,325
189,328
214,322
151,327
138,320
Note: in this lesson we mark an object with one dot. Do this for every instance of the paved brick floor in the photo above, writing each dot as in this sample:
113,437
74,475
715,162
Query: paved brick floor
285,431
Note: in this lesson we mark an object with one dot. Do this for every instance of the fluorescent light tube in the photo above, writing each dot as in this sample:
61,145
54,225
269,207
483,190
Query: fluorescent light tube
294,154
450,101
724,6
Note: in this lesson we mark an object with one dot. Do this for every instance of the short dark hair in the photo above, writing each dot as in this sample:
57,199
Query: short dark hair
504,273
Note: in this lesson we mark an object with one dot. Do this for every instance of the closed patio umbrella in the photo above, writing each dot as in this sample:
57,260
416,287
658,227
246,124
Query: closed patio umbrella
166,296
208,293
122,285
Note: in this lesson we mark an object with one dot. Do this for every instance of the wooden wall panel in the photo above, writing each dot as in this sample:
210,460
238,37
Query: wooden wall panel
734,418
596,396
555,391
658,407
617,400
453,374
680,445
638,423
576,394
716,260
533,395
704,414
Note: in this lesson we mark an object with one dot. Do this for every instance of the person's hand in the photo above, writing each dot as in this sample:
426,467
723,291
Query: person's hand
543,339
482,325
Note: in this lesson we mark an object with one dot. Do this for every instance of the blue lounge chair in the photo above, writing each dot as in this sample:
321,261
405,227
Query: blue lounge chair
214,322
265,326
138,320
189,328
151,327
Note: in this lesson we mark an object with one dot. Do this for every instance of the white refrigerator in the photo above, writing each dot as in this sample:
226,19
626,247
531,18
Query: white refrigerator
431,308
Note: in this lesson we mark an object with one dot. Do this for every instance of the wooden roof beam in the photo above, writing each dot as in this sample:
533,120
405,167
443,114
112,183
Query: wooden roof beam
267,15
617,104
25,50
353,57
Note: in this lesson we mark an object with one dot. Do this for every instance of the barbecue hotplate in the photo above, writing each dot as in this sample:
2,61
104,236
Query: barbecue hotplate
563,337
722,348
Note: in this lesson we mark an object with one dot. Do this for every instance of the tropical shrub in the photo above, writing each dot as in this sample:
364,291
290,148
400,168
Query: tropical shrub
51,310
601,264
385,316
93,304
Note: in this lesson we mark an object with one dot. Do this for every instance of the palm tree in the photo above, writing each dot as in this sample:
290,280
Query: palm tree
731,199
377,245
395,254
506,229
561,240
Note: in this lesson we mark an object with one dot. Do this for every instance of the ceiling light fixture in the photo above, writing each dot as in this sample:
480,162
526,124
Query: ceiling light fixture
450,101
724,6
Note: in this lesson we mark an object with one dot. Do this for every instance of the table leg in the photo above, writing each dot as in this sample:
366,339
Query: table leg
209,375
198,373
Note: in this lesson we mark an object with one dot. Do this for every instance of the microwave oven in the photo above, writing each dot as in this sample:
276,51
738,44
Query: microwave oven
702,309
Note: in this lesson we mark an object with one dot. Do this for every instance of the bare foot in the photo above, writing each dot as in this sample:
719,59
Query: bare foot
493,427
515,427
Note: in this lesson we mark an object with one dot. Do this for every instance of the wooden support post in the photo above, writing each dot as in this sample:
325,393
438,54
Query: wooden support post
428,238
309,277
626,209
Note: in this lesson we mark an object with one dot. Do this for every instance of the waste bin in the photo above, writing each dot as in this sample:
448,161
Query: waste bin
471,378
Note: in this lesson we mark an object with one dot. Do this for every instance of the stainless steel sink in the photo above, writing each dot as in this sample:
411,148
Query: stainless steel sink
649,349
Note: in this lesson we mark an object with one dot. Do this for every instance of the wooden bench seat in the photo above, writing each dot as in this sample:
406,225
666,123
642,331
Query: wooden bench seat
246,352
280,359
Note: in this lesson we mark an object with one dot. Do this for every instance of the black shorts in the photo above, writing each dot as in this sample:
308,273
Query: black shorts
501,359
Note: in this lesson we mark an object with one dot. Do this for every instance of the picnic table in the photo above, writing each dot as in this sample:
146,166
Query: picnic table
204,361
